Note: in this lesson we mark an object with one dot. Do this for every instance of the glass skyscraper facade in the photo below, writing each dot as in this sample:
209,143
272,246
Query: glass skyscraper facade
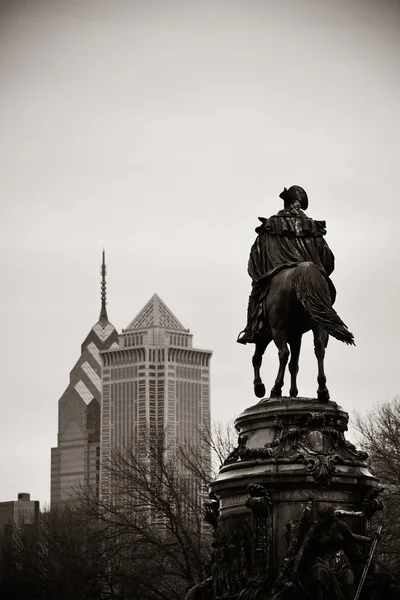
148,378
154,380
76,459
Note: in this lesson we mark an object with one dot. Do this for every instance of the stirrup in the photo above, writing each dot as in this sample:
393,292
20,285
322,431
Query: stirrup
242,340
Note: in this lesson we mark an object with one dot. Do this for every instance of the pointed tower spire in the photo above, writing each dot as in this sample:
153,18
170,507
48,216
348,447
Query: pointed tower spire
156,314
103,311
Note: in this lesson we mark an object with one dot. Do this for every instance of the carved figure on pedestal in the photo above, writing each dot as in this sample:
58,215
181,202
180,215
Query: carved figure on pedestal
296,530
234,455
260,505
231,560
324,561
329,558
289,265
211,511
233,552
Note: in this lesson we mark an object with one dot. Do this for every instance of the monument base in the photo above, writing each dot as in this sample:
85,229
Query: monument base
292,465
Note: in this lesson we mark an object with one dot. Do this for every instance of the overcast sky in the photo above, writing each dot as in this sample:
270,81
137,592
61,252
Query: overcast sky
162,130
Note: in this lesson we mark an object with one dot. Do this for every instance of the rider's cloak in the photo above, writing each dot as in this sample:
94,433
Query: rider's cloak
284,240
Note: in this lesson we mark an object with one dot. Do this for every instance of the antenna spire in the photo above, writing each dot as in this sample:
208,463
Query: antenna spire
103,311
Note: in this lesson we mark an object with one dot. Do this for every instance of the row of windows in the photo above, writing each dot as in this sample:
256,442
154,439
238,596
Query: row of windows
178,340
129,372
188,373
123,357
157,355
138,339
184,372
133,340
188,357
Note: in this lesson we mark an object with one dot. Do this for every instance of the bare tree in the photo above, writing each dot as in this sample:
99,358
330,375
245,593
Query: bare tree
154,513
55,558
147,540
222,439
379,434
204,461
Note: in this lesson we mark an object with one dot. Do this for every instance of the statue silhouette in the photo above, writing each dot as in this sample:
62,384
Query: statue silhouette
292,293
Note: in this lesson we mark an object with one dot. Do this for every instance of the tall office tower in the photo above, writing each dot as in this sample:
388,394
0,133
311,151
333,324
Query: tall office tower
76,459
154,381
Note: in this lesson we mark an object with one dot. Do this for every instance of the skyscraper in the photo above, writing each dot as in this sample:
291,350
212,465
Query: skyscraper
154,379
76,459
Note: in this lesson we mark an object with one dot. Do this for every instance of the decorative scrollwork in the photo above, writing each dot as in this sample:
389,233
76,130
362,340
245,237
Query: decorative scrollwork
359,454
321,467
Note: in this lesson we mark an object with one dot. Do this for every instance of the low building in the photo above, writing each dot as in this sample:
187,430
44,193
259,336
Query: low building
23,512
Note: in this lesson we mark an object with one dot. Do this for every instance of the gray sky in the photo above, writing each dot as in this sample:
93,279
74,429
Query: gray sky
162,130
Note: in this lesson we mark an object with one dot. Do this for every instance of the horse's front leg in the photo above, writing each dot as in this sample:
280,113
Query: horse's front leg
261,344
295,344
320,343
280,340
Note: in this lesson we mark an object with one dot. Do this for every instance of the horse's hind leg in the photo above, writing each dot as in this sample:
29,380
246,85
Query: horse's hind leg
295,344
261,345
320,343
280,340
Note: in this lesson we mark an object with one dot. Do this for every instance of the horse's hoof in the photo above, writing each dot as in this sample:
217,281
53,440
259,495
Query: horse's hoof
294,393
323,395
276,393
259,390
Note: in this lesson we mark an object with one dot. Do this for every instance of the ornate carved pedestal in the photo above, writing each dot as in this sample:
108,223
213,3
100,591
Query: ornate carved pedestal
292,453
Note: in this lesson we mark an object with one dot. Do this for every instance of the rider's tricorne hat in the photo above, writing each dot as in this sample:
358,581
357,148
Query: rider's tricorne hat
295,192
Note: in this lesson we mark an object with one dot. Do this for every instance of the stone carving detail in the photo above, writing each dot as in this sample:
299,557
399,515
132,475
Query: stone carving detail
372,503
211,511
324,558
241,554
320,466
231,558
359,454
260,505
296,530
236,452
315,439
318,545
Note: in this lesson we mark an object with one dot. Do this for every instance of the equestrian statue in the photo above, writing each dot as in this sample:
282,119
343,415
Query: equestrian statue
290,266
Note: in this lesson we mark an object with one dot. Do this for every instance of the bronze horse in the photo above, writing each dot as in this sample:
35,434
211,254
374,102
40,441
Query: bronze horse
299,299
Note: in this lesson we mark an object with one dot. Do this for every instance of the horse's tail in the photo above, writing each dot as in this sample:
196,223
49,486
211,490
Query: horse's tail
312,290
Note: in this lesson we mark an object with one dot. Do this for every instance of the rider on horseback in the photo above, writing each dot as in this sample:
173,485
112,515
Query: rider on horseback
284,240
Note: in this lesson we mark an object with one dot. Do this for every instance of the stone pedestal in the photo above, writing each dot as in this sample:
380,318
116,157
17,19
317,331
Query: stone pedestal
291,453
